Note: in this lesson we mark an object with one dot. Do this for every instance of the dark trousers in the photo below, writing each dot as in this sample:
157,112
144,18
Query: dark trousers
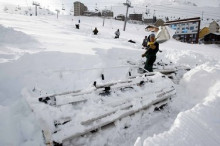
149,63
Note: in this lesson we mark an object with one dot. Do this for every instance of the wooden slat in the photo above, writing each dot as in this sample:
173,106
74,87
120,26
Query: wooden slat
97,123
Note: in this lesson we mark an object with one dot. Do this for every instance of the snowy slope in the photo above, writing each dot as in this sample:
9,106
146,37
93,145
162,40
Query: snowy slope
199,125
200,3
54,61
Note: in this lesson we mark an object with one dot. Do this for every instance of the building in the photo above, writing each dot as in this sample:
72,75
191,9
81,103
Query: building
159,22
79,8
187,30
211,38
91,13
137,17
107,13
204,32
214,27
150,20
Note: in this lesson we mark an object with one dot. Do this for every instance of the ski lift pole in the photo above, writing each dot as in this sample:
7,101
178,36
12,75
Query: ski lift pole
58,11
103,24
128,4
36,5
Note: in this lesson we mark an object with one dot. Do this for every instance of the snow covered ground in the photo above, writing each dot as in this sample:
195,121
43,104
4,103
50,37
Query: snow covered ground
43,55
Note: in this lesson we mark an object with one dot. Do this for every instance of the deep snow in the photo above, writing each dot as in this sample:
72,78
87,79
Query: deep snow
55,60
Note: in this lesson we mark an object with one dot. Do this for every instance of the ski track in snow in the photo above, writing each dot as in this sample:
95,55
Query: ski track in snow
48,64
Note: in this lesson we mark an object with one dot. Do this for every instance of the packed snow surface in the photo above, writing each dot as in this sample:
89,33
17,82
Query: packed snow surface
44,55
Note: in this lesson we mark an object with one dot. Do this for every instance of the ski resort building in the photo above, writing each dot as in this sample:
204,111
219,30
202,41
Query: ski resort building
211,38
150,20
92,13
187,30
203,32
214,27
210,34
159,22
137,17
107,13
79,8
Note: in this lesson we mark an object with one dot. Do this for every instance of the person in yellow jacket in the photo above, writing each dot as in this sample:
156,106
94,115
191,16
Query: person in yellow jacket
150,54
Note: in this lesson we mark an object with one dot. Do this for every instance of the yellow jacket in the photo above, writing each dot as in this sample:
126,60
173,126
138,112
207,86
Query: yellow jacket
151,45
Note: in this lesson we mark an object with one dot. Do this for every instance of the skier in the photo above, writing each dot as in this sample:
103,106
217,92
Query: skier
145,41
117,34
95,31
150,54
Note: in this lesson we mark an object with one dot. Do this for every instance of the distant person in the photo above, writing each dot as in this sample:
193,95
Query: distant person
79,21
117,34
145,41
95,31
150,54
77,26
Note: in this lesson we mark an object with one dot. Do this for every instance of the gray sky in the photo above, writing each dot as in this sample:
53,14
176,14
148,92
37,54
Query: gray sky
68,3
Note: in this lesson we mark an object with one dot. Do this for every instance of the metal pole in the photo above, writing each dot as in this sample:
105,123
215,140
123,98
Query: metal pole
197,36
126,18
57,12
35,10
128,4
36,4
202,15
103,24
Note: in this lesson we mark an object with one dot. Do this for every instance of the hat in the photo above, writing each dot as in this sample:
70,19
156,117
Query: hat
152,35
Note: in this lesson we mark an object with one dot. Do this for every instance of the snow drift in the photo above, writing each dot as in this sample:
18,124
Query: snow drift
12,38
14,44
199,125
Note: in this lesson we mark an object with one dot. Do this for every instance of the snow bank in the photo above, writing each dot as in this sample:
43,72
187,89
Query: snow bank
45,73
200,80
14,44
13,38
199,125
19,126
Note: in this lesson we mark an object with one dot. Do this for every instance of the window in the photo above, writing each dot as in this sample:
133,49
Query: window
192,27
184,30
173,26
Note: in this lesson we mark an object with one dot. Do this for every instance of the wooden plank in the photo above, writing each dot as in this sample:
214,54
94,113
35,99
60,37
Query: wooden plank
83,99
123,114
122,106
98,123
119,105
51,99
